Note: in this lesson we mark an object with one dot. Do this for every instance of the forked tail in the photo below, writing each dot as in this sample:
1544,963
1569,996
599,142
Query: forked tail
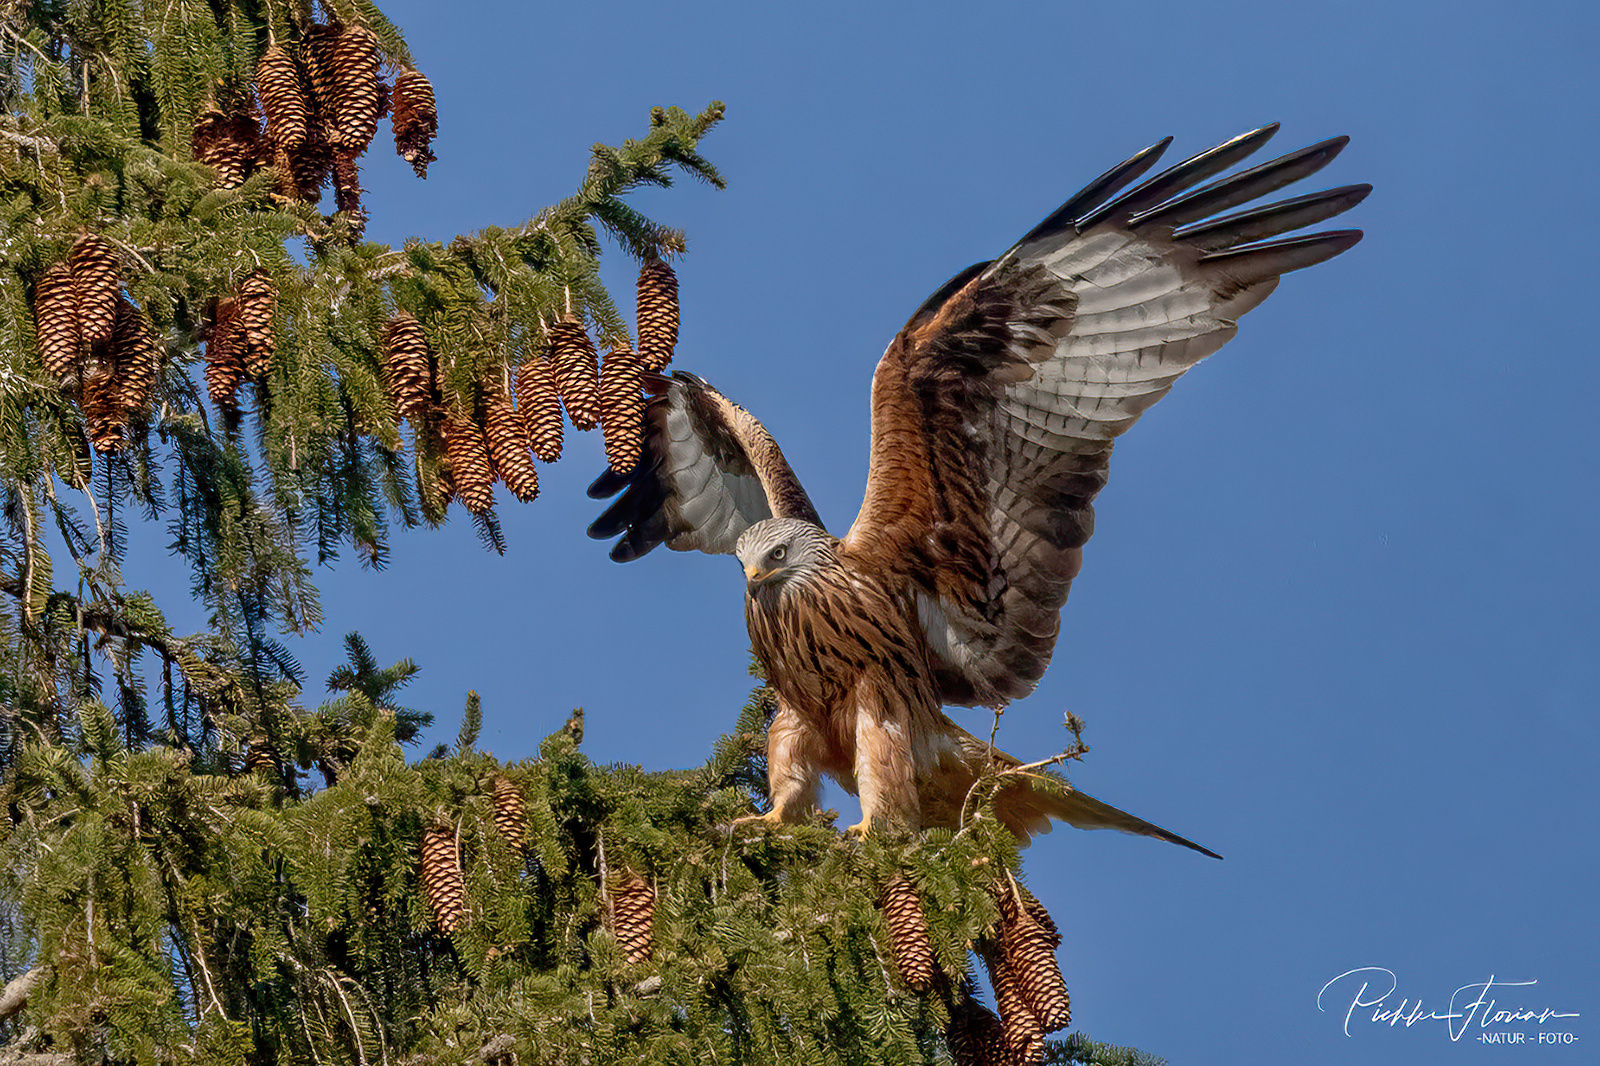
1027,803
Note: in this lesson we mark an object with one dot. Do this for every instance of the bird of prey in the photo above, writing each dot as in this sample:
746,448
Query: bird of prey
994,412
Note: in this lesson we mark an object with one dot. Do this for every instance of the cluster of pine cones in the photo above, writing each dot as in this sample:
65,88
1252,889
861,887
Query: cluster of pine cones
321,104
492,441
1028,989
630,900
93,341
238,340
443,886
1021,960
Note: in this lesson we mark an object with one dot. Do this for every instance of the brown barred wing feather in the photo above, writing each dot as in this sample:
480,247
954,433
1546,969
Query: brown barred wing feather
707,472
995,410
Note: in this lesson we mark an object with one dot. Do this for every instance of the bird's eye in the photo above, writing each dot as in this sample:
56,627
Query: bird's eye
778,553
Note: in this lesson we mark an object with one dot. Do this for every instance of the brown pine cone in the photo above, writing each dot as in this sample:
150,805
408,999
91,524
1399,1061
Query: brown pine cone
258,299
975,1035
656,313
283,100
408,365
230,143
470,473
539,405
56,322
136,356
442,884
316,53
577,377
632,916
414,118
350,113
508,444
622,408
510,812
225,355
102,415
435,486
1036,911
1024,1034
259,753
1030,956
347,189
94,271
908,932
303,171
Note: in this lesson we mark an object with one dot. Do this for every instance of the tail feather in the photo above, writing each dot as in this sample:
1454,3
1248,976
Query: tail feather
1026,808
1026,805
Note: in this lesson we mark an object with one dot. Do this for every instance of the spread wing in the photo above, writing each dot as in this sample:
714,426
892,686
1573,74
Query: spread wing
994,411
708,472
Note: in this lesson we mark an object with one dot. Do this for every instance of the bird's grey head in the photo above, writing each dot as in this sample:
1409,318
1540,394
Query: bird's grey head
777,550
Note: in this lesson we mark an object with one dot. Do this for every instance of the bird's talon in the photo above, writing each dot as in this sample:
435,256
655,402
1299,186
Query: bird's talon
771,818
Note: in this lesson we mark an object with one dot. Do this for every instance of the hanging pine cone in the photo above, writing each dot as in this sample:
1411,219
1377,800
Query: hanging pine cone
210,143
283,100
350,112
102,415
94,271
442,884
56,322
317,54
470,473
975,1035
136,356
1030,957
414,118
908,932
229,143
622,408
303,171
508,444
1036,911
539,405
632,916
510,812
347,190
1023,1034
258,298
657,313
577,377
435,486
259,753
407,364
225,355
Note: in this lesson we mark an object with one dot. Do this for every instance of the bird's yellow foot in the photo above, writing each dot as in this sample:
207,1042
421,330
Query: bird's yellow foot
860,829
771,818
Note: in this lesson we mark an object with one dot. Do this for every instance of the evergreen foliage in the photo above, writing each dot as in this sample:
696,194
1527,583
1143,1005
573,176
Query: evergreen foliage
186,338
306,459
192,916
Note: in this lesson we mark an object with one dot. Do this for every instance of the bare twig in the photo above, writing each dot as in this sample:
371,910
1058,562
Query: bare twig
131,250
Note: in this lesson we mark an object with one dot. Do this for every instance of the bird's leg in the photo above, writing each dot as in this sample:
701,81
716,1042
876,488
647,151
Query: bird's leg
792,774
885,776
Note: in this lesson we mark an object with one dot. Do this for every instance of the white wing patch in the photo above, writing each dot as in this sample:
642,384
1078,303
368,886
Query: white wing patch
952,643
712,506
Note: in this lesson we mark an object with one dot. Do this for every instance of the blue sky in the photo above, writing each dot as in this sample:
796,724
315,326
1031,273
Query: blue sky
1338,620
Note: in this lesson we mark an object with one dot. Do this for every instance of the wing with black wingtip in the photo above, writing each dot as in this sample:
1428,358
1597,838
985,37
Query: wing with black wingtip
709,470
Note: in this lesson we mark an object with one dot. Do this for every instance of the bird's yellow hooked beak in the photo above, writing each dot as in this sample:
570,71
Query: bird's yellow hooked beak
754,573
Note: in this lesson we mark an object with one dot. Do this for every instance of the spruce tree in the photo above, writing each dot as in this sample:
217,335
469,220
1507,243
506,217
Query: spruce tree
198,867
